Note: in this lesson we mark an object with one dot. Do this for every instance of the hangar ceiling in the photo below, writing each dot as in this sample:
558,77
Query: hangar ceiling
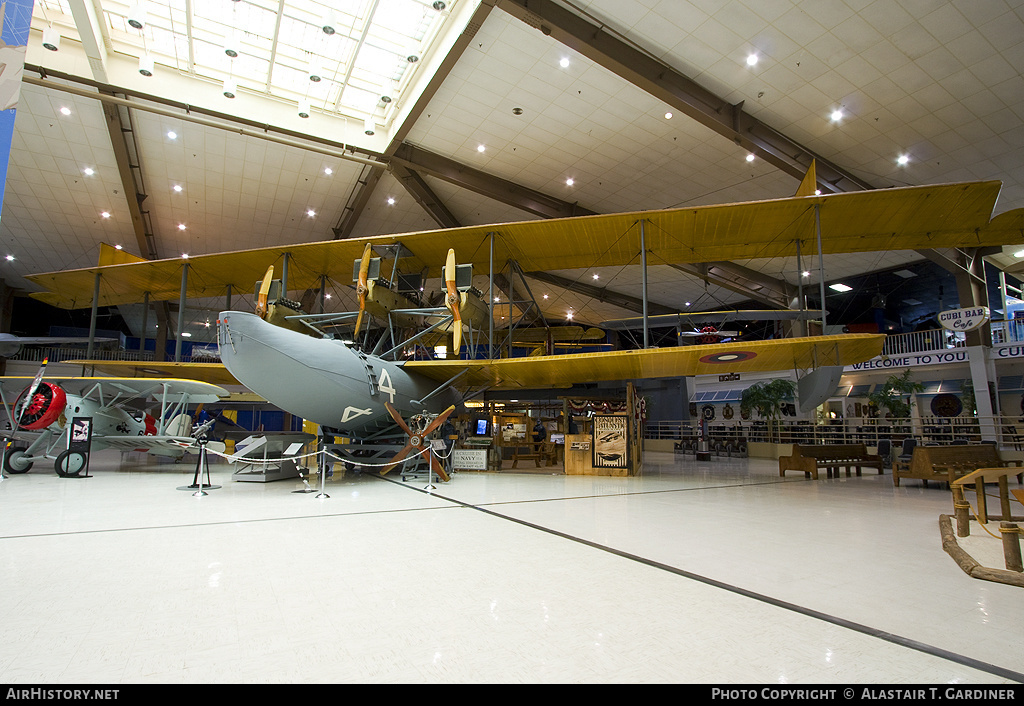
512,110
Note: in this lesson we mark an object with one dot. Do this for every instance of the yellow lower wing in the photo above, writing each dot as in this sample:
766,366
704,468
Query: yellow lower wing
564,370
213,373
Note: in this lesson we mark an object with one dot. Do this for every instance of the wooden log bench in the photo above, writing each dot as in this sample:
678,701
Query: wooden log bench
947,463
808,459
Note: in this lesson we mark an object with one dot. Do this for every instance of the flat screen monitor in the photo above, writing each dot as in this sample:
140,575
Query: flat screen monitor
482,427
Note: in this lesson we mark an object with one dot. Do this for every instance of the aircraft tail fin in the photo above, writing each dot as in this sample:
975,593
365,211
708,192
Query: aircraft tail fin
809,185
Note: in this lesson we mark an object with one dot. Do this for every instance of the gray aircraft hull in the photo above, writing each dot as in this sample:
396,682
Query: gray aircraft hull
321,380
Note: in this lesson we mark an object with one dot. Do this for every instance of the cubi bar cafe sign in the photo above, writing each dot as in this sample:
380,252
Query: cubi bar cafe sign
964,319
954,320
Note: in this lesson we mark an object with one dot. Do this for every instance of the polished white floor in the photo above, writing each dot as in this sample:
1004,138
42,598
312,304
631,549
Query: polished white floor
716,572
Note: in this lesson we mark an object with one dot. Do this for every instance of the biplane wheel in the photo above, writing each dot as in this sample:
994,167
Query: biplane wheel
69,464
14,462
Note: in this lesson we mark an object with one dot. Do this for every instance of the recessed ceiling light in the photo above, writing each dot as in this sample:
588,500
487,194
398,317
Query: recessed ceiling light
105,214
595,275
479,148
569,315
88,171
840,287
310,213
837,115
184,256
497,299
1019,253
750,157
328,171
391,200
570,181
902,160
181,226
118,247
172,134
686,303
10,258
545,296
751,59
805,273
564,63
668,116
177,187
186,334
65,110
327,295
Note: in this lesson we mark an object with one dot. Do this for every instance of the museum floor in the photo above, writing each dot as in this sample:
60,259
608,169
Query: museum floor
715,572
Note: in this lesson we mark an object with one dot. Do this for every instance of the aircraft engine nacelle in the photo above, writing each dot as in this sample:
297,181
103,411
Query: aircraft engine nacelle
44,408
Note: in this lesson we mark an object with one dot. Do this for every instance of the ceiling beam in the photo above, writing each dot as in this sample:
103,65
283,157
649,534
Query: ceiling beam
90,33
680,92
122,140
425,196
744,281
603,294
359,197
485,184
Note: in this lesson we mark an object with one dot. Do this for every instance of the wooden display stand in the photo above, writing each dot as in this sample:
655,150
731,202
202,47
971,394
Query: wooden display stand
610,446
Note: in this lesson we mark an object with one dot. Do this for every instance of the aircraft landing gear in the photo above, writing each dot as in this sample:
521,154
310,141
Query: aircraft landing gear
15,463
70,464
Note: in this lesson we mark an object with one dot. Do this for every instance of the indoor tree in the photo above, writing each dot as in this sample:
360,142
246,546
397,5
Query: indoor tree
896,394
767,398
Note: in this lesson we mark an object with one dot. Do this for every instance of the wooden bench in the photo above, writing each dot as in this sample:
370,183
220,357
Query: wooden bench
535,453
947,463
807,459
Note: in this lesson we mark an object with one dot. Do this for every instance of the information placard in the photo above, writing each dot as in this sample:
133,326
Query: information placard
469,459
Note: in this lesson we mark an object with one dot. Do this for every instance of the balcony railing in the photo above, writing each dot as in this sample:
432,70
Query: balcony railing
1007,432
60,353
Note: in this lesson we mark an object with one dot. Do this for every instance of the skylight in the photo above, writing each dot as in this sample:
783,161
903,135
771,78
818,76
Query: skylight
363,66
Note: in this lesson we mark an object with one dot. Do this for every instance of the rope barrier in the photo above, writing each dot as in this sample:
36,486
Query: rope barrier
233,458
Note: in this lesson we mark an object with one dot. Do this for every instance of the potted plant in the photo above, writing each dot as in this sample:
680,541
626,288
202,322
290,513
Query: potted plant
767,399
896,395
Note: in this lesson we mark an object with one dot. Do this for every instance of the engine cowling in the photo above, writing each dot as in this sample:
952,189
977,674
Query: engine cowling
44,408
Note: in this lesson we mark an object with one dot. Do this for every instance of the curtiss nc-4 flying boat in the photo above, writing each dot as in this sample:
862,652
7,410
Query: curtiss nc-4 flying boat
340,386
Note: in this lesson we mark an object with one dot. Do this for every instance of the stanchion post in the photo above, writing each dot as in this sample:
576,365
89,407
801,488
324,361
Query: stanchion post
1011,545
960,509
430,467
322,461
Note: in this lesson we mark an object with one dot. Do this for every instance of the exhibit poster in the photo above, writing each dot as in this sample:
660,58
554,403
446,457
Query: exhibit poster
609,441
81,434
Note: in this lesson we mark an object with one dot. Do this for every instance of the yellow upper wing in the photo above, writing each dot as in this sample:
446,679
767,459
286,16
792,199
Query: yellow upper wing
950,215
563,370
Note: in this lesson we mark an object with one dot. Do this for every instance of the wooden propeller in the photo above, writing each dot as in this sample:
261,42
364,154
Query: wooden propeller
453,301
264,293
418,442
361,285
